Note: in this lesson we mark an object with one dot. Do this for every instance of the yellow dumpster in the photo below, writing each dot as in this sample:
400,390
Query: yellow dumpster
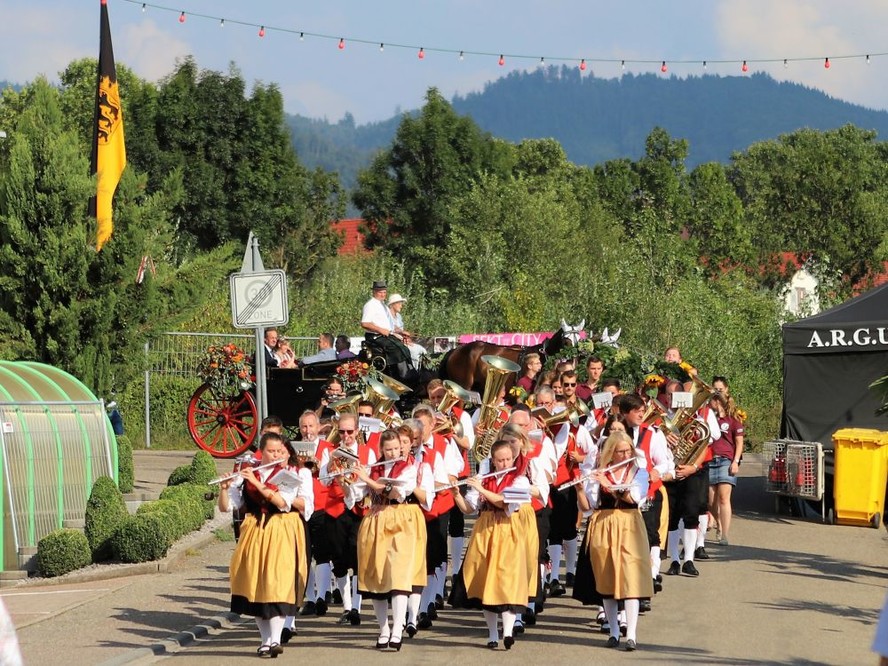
861,475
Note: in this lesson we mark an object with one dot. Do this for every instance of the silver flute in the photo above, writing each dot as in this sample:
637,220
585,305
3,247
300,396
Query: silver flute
480,478
588,476
351,469
234,475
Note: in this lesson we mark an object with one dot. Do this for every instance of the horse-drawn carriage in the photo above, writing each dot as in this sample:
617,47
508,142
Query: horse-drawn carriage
226,423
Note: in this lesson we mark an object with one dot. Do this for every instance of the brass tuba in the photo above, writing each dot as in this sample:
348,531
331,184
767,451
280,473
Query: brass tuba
393,384
453,394
498,372
383,399
693,435
341,406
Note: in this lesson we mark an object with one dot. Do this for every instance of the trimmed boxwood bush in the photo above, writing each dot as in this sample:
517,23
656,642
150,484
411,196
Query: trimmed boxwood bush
203,468
180,475
125,473
175,516
140,538
105,511
192,490
62,551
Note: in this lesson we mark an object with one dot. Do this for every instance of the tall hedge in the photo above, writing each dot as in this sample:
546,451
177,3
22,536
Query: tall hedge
125,472
105,511
62,551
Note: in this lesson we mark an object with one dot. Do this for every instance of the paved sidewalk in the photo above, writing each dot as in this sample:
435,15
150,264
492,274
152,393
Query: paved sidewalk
788,591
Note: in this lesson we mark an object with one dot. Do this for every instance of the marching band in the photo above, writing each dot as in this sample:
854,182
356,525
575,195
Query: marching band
596,485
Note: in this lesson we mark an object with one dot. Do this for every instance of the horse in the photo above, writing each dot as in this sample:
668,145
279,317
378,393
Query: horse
463,364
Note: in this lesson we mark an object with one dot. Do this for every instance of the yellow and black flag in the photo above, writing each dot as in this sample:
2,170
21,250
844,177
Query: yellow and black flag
108,151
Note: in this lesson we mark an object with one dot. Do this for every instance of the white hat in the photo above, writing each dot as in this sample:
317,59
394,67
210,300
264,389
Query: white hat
396,298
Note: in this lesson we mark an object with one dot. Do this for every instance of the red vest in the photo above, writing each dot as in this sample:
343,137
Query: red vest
563,474
703,413
335,504
645,434
443,501
535,453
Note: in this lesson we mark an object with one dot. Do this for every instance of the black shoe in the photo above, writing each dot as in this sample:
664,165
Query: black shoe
612,642
382,644
519,627
424,622
345,618
492,645
689,569
276,650
674,569
432,611
556,589
264,651
630,645
308,609
395,645
658,584
439,603
508,642
354,617
410,629
605,628
701,554
569,580
644,606
336,598
530,619
623,628
320,608
286,635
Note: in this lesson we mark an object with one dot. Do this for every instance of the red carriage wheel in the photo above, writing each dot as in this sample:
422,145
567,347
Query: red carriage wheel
225,426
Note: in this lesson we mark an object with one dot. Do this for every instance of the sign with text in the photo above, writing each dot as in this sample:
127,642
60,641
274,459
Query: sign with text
509,339
259,299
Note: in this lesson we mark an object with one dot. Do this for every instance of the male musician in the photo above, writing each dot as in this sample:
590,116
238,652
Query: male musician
457,522
572,444
653,443
447,464
376,320
569,389
594,368
543,462
321,569
342,520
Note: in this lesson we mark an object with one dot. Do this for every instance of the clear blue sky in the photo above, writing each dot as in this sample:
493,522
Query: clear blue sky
319,80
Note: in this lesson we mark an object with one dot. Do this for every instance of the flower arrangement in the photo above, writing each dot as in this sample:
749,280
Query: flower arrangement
516,395
741,415
226,369
652,384
351,374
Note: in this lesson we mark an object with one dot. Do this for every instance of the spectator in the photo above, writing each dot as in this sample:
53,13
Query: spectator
395,304
417,351
326,351
285,355
343,348
271,341
376,320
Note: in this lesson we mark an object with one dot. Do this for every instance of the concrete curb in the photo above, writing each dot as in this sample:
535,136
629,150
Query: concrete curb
173,644
197,539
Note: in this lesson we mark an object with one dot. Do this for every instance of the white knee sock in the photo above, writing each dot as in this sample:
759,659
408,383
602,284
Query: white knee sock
323,576
690,542
508,623
264,631
413,607
632,606
570,555
555,557
356,596
289,621
343,584
428,594
490,619
380,609
672,544
655,561
701,530
440,579
310,583
456,554
276,625
399,610
611,613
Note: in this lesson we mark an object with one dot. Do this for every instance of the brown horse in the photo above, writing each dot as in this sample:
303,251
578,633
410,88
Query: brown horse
463,364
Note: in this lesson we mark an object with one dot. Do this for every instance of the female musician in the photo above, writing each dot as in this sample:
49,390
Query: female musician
495,568
267,573
618,547
391,538
724,466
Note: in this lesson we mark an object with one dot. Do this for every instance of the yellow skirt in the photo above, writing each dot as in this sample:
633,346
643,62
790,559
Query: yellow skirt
618,548
269,568
501,565
392,550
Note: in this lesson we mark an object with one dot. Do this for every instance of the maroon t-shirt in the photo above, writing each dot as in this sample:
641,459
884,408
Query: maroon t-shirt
584,393
725,445
526,383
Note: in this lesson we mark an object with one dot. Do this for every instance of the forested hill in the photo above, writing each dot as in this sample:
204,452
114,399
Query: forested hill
600,119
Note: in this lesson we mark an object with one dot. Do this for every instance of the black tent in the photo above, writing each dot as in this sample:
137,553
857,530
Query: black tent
829,361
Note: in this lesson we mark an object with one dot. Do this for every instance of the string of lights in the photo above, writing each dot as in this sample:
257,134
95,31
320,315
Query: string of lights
263,29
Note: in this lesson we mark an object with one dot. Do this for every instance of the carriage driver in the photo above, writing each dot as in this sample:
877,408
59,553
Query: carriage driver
376,320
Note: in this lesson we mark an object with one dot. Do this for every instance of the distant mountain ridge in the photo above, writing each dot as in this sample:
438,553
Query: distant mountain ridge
602,119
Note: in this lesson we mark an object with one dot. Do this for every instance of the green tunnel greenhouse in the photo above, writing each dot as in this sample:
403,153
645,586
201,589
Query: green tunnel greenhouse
55,441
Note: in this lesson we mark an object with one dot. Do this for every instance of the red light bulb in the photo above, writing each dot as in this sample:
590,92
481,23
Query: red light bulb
421,53
583,65
262,31
182,17
745,67
502,60
826,63
341,43
663,67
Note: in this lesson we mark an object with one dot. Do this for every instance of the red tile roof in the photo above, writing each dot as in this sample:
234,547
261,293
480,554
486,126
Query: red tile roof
352,238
